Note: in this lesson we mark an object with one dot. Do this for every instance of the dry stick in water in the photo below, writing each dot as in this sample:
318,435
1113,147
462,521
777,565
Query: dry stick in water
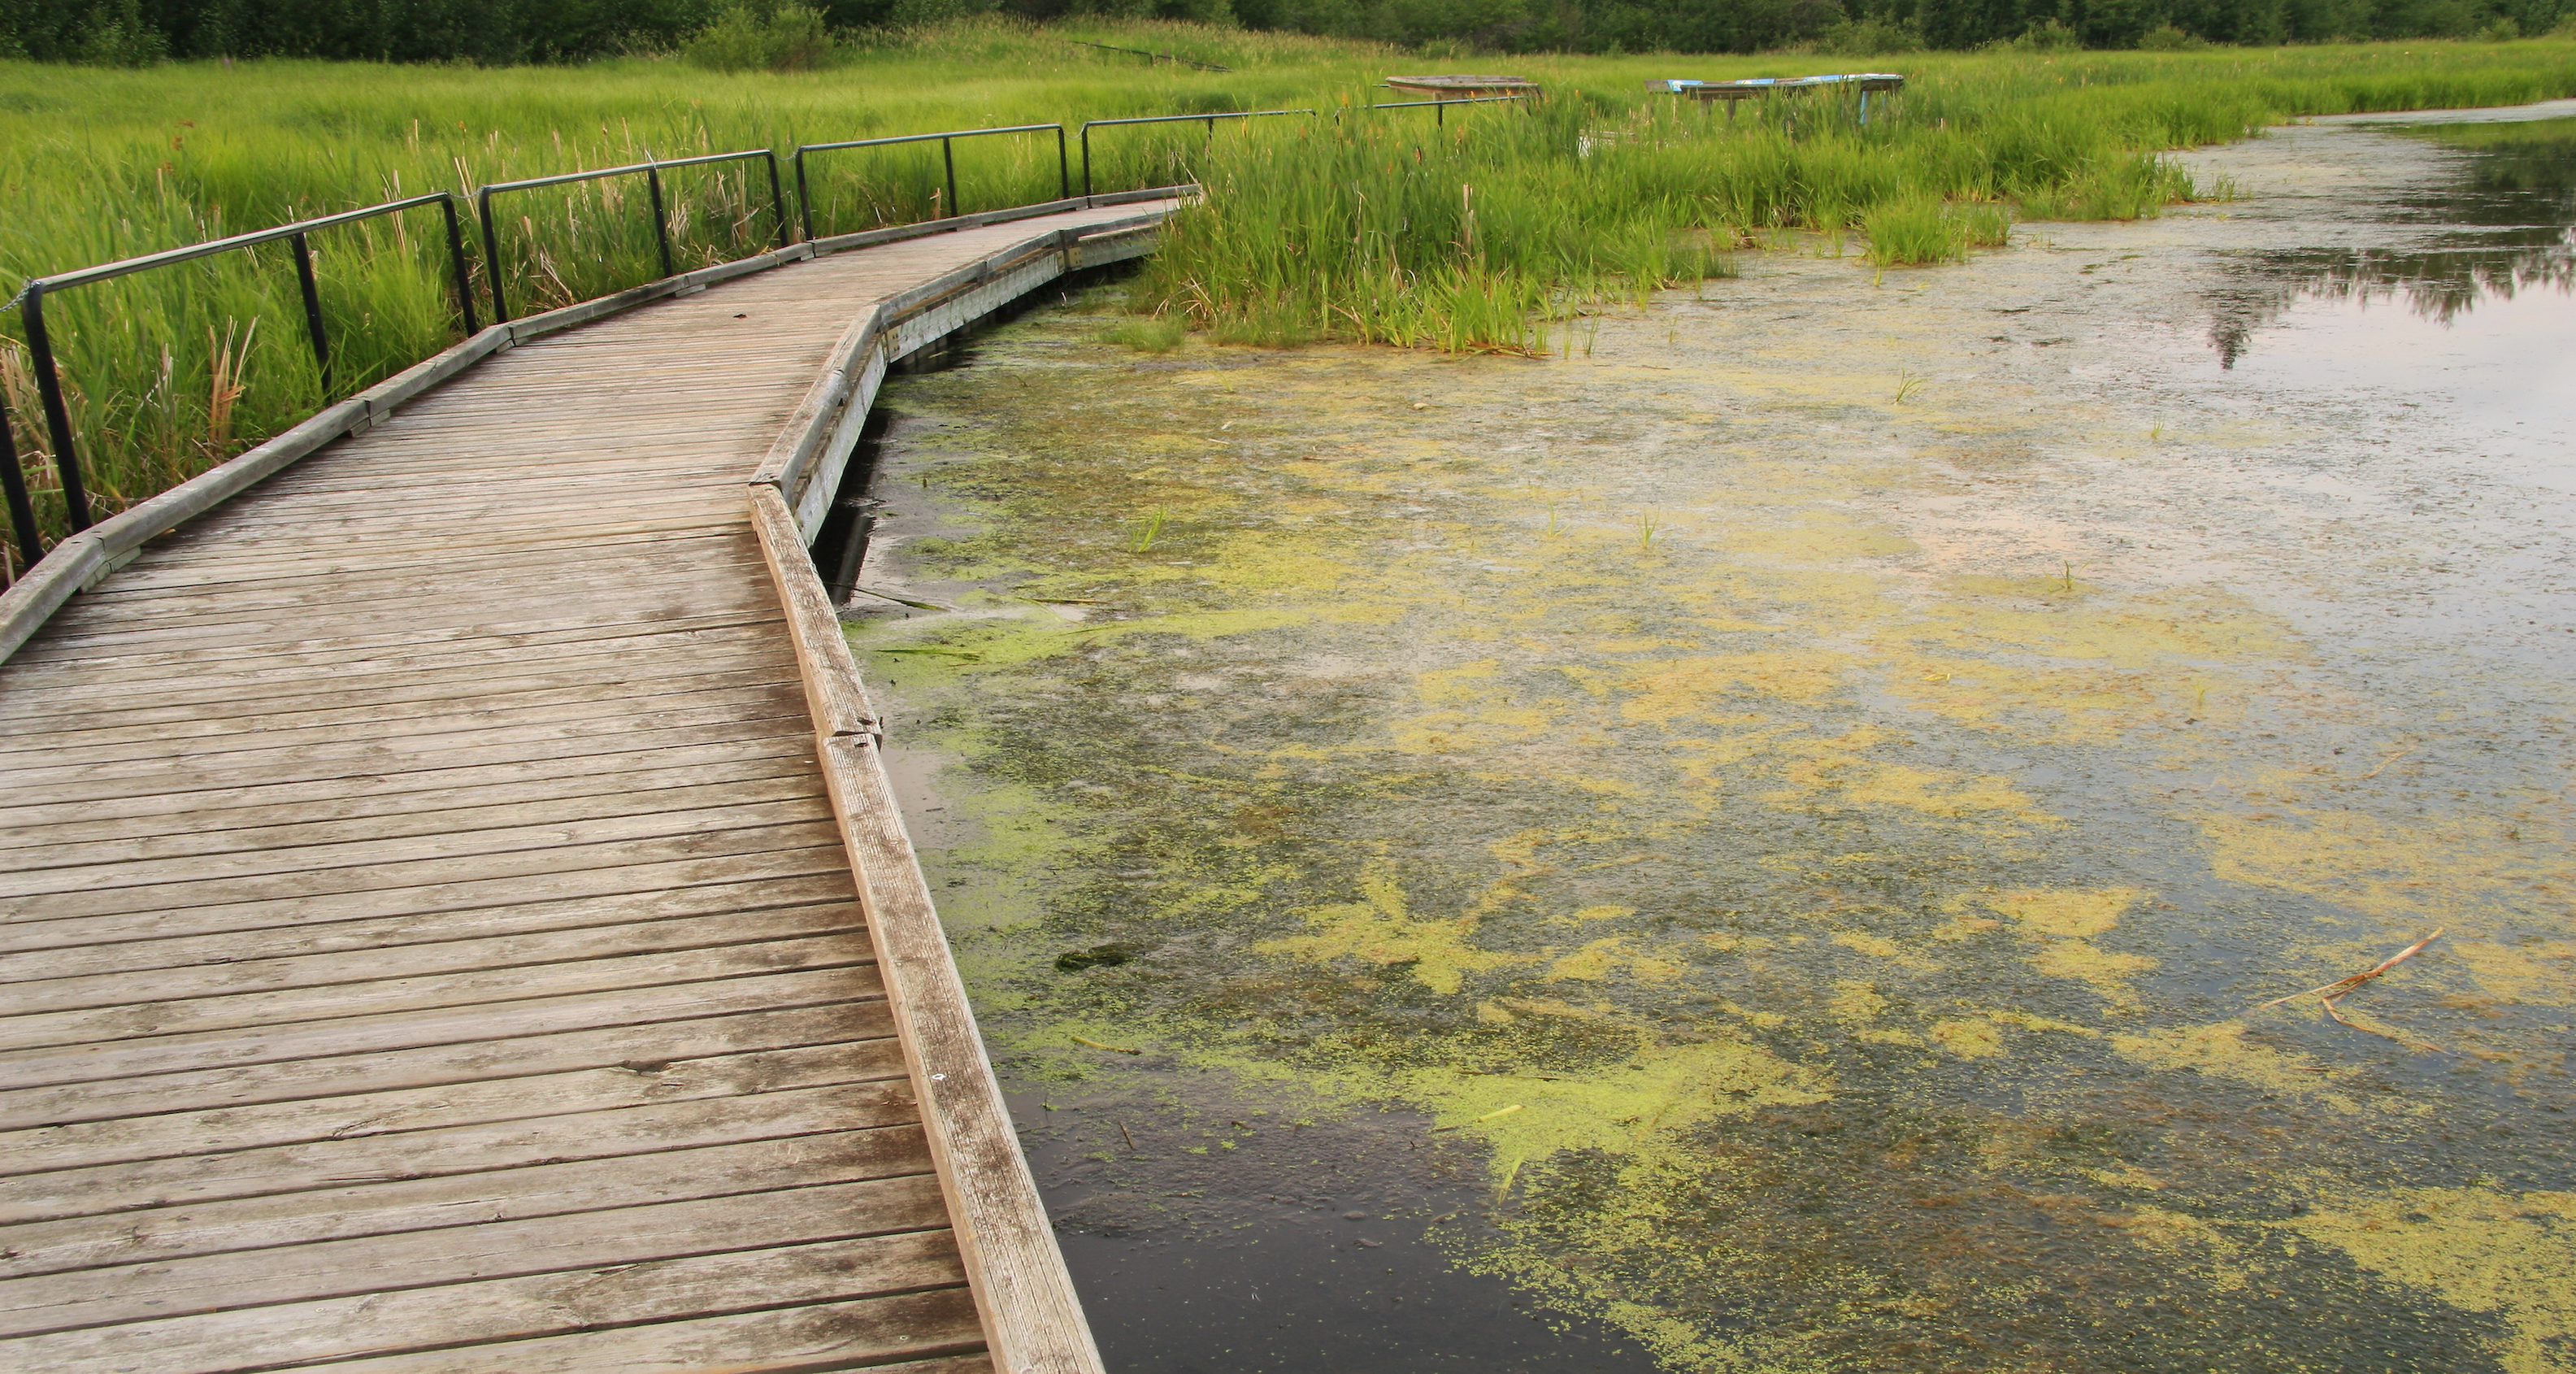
2345,987
1113,1049
1507,1111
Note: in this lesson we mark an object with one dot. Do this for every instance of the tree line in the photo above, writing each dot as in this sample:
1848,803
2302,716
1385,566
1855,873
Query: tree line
133,32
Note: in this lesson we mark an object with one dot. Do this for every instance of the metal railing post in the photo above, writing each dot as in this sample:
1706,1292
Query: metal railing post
661,226
492,257
22,510
1063,168
778,201
804,196
948,156
456,262
58,417
313,311
1086,162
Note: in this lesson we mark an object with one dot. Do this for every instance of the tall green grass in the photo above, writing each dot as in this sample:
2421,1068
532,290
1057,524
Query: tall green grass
1377,226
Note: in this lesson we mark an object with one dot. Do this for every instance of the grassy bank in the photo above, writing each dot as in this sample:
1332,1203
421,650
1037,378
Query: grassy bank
1380,226
1478,234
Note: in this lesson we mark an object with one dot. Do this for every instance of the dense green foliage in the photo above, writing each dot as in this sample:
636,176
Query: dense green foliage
134,32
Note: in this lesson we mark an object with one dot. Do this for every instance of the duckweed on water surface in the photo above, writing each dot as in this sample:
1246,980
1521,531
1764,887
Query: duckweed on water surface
1839,923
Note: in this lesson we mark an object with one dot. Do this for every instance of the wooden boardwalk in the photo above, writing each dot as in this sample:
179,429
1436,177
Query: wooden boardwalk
430,940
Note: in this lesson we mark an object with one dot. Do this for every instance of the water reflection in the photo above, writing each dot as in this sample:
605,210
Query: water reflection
2506,231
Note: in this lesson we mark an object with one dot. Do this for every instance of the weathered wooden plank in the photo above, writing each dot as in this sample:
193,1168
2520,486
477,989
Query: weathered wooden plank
360,1012
386,975
161,1137
573,634
194,717
823,1336
836,699
603,873
841,1335
520,1143
85,844
490,830
649,991
348,584
369,865
796,1010
189,559
323,798
407,745
347,1211
356,717
206,543
262,635
732,851
539,601
1031,1313
141,1289
498,1310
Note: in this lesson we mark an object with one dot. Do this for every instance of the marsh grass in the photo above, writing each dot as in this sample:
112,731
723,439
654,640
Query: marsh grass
1146,334
1149,531
1497,231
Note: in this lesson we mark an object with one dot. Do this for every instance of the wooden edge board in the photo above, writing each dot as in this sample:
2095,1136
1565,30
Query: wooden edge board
1033,1320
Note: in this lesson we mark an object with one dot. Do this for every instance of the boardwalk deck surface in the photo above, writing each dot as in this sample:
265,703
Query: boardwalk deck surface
427,944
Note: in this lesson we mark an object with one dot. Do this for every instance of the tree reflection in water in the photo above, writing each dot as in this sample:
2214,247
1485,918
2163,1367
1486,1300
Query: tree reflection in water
2508,226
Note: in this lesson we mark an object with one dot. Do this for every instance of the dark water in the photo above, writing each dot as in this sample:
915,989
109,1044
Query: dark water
1709,857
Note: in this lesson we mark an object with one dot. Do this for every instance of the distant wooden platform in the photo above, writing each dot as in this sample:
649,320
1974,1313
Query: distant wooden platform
1463,87
449,908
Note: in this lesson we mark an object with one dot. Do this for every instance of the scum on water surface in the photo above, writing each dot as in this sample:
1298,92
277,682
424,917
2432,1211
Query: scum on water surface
1819,843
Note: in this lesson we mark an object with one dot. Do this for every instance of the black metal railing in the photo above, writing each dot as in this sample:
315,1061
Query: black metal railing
652,170
1210,119
1439,108
947,157
49,387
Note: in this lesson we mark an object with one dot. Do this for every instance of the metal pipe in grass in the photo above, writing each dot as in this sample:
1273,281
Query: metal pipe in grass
58,418
946,141
22,510
661,218
1211,119
313,311
1438,115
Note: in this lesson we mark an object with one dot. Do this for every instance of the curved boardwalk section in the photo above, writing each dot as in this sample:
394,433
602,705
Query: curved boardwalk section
430,942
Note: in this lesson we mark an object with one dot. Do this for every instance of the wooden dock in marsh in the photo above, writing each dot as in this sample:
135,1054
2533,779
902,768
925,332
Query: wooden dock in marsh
452,916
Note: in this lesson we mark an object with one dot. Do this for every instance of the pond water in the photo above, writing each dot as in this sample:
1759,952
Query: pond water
1764,843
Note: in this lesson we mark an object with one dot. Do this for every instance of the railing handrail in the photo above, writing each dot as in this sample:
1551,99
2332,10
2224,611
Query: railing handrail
1439,111
168,257
651,167
947,155
1211,118
49,390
